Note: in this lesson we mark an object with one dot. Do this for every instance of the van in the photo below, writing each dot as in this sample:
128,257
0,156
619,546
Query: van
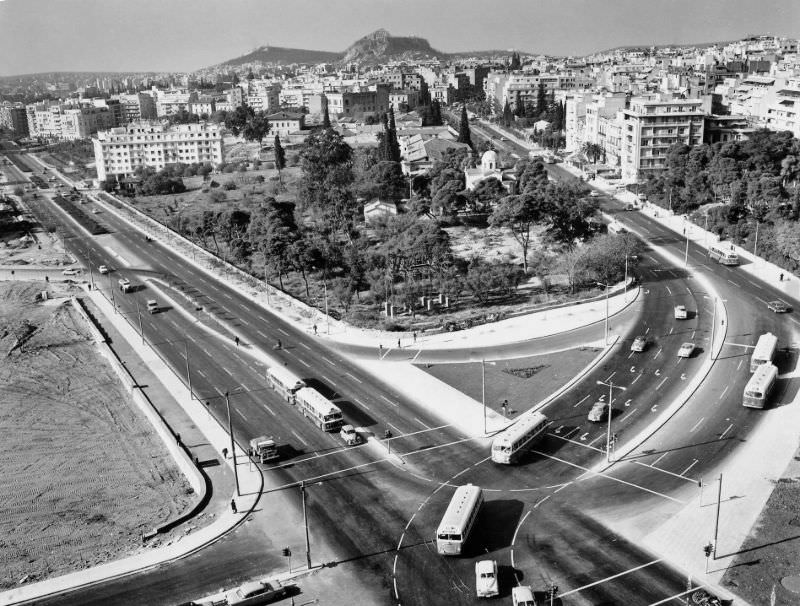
523,596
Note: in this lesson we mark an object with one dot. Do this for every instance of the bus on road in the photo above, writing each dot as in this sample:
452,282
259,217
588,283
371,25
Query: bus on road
322,412
511,444
725,257
760,385
459,519
764,351
284,381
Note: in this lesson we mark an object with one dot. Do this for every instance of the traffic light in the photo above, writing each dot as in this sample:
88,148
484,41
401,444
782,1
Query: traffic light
708,549
287,552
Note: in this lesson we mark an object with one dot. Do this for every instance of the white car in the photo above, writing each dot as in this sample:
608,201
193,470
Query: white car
594,194
686,350
486,579
639,343
257,592
598,412
523,596
680,312
152,306
103,269
71,272
350,436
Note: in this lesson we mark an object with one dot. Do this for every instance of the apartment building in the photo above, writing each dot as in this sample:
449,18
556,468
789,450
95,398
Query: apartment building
137,106
170,102
651,125
285,123
403,100
782,107
14,118
357,103
119,151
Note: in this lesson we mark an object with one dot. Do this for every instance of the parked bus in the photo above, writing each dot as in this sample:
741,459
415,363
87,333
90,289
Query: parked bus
322,412
509,445
764,351
725,257
758,388
285,382
458,520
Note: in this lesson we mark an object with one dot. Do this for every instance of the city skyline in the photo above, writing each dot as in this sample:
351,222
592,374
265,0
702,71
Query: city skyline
186,35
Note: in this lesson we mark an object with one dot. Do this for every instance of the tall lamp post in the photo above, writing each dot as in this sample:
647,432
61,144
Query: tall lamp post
233,446
611,387
606,286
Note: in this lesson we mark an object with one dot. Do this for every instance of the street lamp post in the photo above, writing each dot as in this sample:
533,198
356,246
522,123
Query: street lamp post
327,316
139,313
483,392
755,244
611,387
188,374
686,254
233,446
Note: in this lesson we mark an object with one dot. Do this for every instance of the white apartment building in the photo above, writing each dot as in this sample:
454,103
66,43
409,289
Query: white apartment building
651,125
782,107
56,120
119,151
137,106
169,102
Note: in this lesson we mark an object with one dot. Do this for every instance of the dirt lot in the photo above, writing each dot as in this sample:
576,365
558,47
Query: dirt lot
84,475
770,553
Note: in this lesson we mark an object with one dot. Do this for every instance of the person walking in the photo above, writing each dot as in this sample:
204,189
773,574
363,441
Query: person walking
315,329
224,453
233,506
781,277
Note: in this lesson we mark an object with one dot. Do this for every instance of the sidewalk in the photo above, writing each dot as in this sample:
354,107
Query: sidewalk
204,436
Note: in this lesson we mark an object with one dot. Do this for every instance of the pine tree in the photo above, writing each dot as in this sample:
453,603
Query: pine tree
326,118
464,135
280,158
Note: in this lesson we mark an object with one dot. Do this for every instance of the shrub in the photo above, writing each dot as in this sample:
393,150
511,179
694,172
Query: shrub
392,326
229,185
229,168
217,196
213,184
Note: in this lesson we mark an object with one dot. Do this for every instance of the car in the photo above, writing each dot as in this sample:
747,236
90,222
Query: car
503,139
779,307
152,306
486,579
95,211
630,207
686,350
598,412
255,592
680,312
594,194
350,436
639,343
103,269
71,272
523,596
125,285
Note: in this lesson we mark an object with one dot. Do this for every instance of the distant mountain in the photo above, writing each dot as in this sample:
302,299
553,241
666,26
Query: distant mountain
381,47
283,56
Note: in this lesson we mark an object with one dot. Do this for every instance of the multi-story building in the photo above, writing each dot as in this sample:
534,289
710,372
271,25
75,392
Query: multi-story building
356,103
782,107
285,123
651,125
137,106
44,119
204,105
171,102
14,118
404,100
120,151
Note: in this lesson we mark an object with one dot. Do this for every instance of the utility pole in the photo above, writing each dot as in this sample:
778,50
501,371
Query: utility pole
606,287
139,312
233,446
483,393
188,374
686,254
716,522
305,523
611,387
327,316
713,324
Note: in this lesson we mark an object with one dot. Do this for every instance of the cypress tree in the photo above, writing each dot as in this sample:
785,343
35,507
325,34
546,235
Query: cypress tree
280,158
464,135
392,146
326,118
541,99
507,115
436,114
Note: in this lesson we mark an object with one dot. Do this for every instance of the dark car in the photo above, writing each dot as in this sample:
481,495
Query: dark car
779,307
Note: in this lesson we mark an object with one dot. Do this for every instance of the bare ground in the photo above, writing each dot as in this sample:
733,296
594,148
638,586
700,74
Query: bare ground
84,475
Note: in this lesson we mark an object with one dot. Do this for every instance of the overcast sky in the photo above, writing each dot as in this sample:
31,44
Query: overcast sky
184,35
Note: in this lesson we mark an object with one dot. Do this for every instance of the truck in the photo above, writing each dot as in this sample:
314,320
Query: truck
264,448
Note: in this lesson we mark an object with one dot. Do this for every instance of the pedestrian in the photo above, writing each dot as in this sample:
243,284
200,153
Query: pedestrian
233,506
781,277
398,343
380,350
224,453
415,337
315,329
236,340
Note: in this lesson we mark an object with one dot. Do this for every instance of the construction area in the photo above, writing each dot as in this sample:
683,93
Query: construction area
85,476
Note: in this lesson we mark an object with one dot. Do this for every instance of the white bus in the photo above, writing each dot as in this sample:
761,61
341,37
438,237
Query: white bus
725,257
322,412
759,386
510,444
284,381
459,519
764,351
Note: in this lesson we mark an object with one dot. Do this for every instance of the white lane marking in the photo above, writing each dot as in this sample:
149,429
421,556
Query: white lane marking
609,376
241,414
191,338
659,458
306,346
689,290
284,332
360,403
668,290
595,440
647,331
739,365
304,363
658,353
579,402
560,488
388,400
620,574
425,426
685,471
636,379
262,334
245,322
226,370
754,284
355,378
671,328
628,414
722,395
664,380
226,295
329,380
272,412
540,501
296,435
724,433
734,283
696,425
202,374
669,473
329,361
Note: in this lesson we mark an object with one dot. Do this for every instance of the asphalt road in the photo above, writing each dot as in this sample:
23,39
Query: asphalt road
365,499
